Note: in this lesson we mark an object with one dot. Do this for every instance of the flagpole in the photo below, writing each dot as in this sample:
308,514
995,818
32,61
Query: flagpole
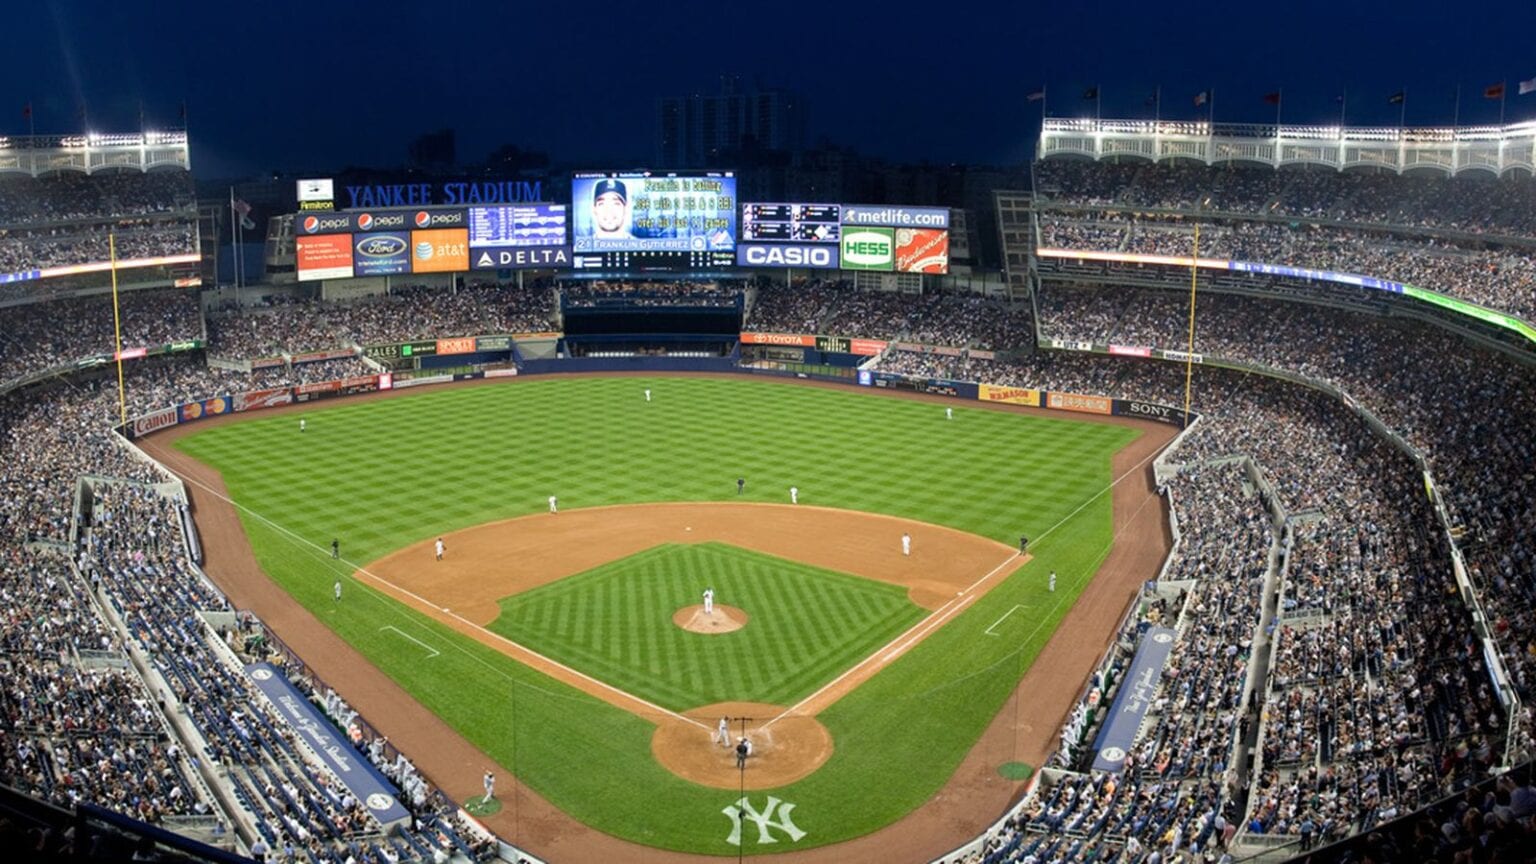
1189,349
1402,113
1210,111
1456,117
117,330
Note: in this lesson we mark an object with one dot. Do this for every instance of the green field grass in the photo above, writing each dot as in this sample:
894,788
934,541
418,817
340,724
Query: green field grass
383,474
614,623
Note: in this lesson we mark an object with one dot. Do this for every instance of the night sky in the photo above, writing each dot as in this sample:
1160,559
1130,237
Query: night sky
294,86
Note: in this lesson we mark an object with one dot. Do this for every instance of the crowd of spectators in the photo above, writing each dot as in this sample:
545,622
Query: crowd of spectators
672,292
63,245
70,196
40,336
286,324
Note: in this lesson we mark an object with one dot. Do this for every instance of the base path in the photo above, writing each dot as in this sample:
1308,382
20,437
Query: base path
973,798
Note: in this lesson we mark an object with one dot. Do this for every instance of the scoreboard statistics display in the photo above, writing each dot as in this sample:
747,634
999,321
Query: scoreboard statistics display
517,225
652,220
790,235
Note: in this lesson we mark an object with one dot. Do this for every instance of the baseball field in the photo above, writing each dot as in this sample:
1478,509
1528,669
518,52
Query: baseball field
567,647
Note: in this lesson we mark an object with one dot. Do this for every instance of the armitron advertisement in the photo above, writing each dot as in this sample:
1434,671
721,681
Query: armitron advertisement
1011,395
922,250
440,250
324,256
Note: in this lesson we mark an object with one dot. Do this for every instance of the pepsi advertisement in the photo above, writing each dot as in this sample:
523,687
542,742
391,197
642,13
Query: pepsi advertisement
381,253
687,212
362,221
517,225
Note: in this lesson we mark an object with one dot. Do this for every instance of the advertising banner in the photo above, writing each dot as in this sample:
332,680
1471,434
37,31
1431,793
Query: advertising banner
255,400
643,211
1079,403
382,254
324,256
1149,410
1130,350
895,217
806,255
460,345
318,356
358,384
493,343
530,258
154,421
266,363
1010,395
922,250
869,249
1133,700
977,354
205,408
440,250
322,223
509,372
866,347
318,390
306,723
1181,356
803,341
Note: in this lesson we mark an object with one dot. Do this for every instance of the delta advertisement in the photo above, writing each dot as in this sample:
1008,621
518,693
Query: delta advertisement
440,250
1010,395
922,250
324,256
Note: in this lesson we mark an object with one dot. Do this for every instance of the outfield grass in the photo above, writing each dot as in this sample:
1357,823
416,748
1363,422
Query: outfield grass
614,623
383,474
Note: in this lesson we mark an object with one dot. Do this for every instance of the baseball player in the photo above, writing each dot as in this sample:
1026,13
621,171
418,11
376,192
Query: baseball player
794,494
301,424
743,750
440,548
723,733
1052,583
647,394
949,413
490,786
709,601
335,547
906,544
338,590
552,507
741,485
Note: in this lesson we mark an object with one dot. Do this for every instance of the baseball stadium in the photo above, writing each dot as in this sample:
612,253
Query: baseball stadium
616,518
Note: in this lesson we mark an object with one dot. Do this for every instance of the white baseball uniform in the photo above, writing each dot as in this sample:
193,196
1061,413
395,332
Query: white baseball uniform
723,733
709,601
794,494
440,548
906,544
301,424
949,413
647,394
490,785
1053,580
338,589
552,507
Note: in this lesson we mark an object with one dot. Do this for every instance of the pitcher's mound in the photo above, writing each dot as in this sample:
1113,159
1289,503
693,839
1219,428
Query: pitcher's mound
784,748
723,620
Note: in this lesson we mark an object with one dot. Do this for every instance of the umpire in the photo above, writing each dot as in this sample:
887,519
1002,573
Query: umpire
743,750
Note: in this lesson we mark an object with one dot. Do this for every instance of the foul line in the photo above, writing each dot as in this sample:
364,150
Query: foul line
898,646
1112,484
321,551
988,631
434,651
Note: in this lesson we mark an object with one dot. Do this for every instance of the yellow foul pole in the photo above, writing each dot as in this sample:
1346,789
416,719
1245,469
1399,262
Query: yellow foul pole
1189,349
117,329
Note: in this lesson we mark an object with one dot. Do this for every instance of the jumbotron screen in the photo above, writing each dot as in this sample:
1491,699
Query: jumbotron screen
648,220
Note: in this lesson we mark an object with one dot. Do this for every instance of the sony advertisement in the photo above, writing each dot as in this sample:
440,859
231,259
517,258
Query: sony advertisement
654,212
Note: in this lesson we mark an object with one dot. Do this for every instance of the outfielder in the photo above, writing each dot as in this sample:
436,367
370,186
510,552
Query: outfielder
794,494
906,544
1052,583
301,424
552,507
338,590
723,733
440,548
647,394
949,413
709,601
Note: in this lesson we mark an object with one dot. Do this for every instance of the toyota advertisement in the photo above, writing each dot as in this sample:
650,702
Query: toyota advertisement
324,256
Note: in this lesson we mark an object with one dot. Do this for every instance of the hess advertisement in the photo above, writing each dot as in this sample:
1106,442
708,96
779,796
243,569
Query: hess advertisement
440,250
922,250
324,256
868,248
652,212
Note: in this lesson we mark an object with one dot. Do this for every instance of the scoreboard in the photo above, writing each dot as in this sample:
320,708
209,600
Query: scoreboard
517,225
791,223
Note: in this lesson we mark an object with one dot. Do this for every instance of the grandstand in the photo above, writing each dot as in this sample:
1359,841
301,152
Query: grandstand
1349,604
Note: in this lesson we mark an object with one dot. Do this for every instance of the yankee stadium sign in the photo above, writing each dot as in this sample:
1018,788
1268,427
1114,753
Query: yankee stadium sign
447,194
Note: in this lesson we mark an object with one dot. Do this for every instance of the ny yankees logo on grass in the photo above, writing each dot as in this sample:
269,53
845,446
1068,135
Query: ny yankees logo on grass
763,819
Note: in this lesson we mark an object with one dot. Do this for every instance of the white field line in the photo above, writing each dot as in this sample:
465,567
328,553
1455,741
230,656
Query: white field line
988,631
898,646
434,651
323,553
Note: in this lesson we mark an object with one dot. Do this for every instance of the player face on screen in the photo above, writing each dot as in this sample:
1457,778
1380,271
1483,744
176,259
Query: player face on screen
609,213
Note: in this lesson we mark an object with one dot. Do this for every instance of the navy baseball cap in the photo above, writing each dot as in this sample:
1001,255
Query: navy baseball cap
603,187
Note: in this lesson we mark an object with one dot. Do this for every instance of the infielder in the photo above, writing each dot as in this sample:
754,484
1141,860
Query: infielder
552,507
723,733
490,786
440,548
906,544
1052,583
647,394
794,494
709,601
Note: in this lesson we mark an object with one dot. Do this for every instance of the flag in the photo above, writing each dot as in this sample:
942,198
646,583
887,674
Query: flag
1397,98
244,210
1494,91
1202,97
1272,98
1528,86
1091,93
1035,95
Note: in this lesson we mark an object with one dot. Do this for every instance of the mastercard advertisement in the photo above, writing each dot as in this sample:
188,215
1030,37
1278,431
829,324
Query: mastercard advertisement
922,250
440,250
